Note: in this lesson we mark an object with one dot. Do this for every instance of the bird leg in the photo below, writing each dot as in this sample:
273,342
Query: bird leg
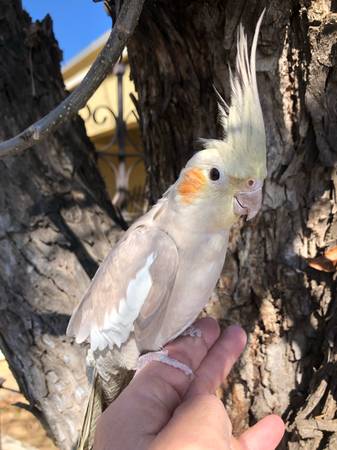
162,355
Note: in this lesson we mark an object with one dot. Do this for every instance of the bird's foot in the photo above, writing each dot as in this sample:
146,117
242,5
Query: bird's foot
163,357
192,331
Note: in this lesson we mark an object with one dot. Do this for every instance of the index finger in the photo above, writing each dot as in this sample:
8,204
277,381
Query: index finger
219,361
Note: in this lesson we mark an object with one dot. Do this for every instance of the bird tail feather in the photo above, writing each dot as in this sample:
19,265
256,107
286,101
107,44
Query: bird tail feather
93,411
102,394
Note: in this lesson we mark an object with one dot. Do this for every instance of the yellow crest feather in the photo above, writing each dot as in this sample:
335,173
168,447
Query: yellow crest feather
244,145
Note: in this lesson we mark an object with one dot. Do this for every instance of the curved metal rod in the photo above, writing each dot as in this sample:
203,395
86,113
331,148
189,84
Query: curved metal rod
110,164
99,109
132,167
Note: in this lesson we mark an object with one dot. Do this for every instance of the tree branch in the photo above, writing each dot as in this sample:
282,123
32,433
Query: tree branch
125,24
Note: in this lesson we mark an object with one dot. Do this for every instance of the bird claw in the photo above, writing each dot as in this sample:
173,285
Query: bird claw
163,357
192,331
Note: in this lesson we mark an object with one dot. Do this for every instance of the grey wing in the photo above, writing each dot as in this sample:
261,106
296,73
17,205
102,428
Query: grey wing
133,284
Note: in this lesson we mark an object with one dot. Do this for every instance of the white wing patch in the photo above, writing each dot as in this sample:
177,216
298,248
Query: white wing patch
119,324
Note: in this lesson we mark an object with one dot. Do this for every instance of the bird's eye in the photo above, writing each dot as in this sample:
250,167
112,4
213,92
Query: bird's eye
214,174
251,183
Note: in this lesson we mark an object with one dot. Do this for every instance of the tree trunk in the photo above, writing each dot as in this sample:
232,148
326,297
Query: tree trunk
55,227
287,307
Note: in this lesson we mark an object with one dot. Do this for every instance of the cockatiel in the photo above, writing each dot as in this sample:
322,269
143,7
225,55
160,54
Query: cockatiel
160,275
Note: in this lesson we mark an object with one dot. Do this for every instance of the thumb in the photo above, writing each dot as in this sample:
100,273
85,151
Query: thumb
265,435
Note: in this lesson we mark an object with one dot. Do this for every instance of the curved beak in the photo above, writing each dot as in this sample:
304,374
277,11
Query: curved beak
248,203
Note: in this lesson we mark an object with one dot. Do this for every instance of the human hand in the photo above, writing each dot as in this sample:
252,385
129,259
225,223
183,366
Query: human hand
163,409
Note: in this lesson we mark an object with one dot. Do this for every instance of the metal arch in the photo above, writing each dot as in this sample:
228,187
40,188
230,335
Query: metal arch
121,173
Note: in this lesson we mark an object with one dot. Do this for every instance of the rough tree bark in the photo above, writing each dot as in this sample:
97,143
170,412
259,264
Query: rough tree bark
287,307
55,227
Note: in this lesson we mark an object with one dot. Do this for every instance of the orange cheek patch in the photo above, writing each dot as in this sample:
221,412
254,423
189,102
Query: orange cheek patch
193,182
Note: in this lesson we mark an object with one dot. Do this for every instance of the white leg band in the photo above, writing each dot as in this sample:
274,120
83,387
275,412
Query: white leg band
162,356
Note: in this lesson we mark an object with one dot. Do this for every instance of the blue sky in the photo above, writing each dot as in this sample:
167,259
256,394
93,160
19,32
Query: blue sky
76,22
